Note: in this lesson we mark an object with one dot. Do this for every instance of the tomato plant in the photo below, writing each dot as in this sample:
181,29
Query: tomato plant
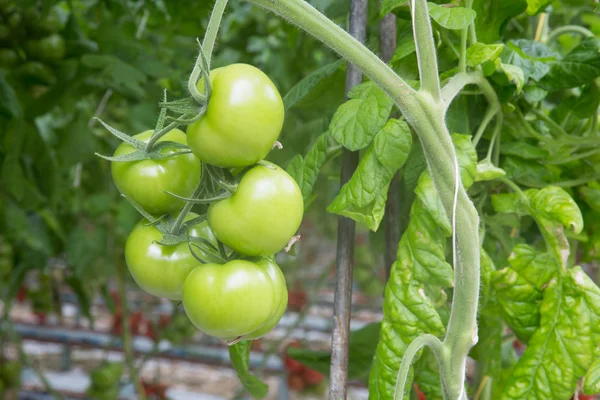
243,119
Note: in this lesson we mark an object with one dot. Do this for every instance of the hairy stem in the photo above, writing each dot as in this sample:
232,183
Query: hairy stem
210,36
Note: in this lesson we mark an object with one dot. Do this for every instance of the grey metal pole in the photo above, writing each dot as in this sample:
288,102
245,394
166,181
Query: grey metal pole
345,241
388,33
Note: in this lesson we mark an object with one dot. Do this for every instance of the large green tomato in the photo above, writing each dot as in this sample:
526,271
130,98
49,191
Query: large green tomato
161,270
262,215
147,181
277,277
106,375
244,118
231,300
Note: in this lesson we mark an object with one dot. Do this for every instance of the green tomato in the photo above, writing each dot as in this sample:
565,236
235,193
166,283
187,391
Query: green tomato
146,181
38,73
231,300
10,374
244,118
107,375
161,270
51,48
262,215
277,276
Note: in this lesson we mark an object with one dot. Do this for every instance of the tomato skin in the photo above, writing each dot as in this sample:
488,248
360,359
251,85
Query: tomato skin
161,270
146,181
52,48
231,300
262,215
106,375
279,279
243,120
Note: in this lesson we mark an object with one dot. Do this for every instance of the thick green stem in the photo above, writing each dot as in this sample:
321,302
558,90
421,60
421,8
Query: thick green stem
426,54
425,111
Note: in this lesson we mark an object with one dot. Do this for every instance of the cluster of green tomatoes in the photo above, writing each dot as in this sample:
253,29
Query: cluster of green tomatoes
30,43
230,285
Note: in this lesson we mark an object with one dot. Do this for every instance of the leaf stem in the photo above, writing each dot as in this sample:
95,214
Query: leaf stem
424,340
556,33
426,54
188,206
550,122
213,28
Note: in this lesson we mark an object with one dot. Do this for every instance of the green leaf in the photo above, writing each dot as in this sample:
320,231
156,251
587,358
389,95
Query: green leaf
563,346
357,121
524,150
427,376
531,56
302,88
117,74
388,6
480,53
240,354
581,66
536,268
455,18
554,203
587,104
362,346
486,171
9,103
306,171
514,75
592,379
405,47
518,300
537,6
363,197
591,195
492,16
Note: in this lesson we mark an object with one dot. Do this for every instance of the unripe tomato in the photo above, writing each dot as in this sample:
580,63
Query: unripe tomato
52,48
157,269
277,276
106,375
146,181
262,215
107,394
8,58
244,118
38,73
231,300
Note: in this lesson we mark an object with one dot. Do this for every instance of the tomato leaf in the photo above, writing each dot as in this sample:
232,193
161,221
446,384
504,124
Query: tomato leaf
357,121
454,18
304,87
363,197
537,6
480,53
565,343
592,379
240,354
427,376
531,56
388,6
9,103
486,171
305,171
492,16
580,66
